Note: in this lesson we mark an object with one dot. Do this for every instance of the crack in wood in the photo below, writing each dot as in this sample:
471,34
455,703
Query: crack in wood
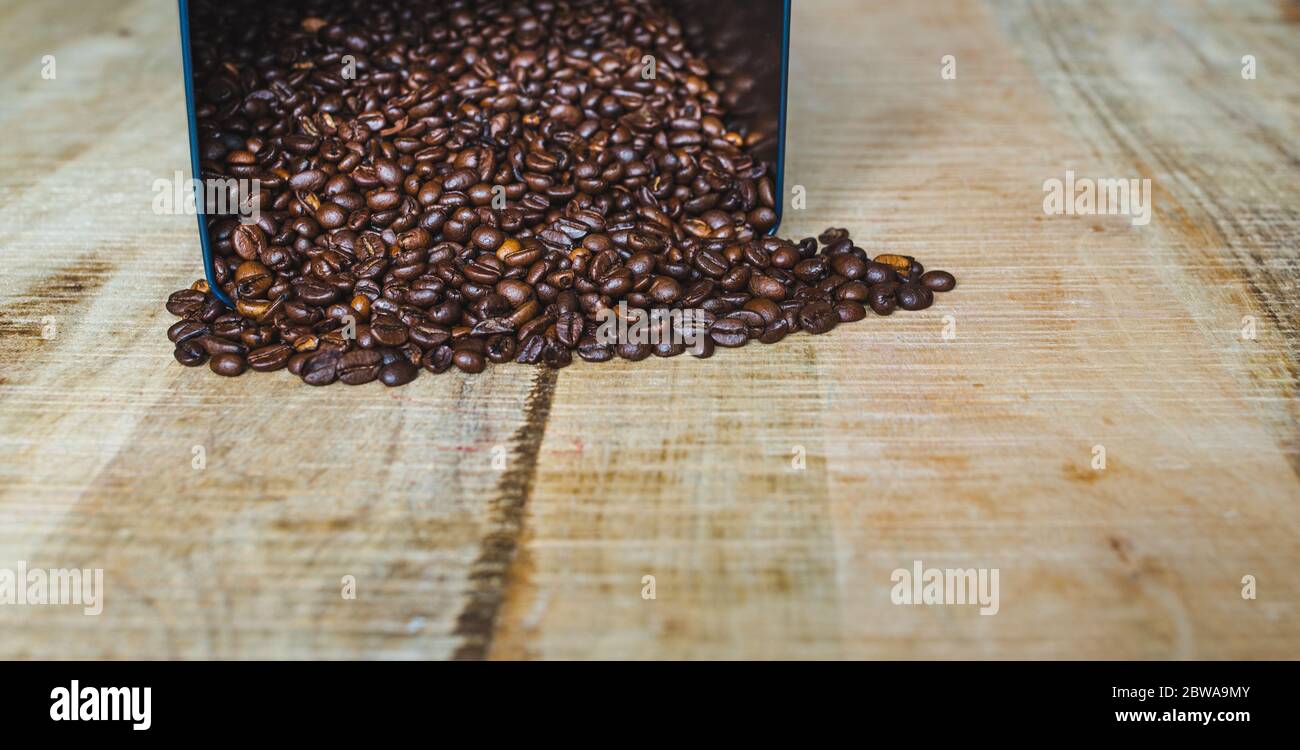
489,576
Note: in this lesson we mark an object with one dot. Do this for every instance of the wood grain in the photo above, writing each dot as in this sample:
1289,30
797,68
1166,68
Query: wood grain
974,451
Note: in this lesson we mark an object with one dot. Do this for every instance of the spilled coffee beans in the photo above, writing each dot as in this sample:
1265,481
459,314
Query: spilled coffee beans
451,185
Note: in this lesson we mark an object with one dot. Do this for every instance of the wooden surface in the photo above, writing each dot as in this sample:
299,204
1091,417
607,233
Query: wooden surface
1071,332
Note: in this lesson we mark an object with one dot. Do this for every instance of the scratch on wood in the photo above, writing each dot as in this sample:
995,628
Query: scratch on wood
65,290
490,573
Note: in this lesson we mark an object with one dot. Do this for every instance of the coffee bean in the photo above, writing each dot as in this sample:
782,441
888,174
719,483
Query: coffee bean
270,357
321,368
668,348
398,373
229,365
938,281
438,360
556,355
878,273
632,351
765,309
469,361
185,330
766,287
360,366
817,318
850,312
591,350
849,266
531,350
189,353
774,332
215,345
296,363
388,331
428,335
249,241
501,349
729,332
913,297
187,303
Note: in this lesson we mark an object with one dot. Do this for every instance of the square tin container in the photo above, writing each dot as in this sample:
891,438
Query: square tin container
747,44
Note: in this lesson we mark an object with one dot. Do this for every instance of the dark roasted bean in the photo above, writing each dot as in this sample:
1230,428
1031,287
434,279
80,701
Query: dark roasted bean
321,368
591,350
398,373
633,351
360,366
468,360
268,358
850,312
190,354
913,297
938,281
187,303
817,318
229,365
183,330
438,360
729,332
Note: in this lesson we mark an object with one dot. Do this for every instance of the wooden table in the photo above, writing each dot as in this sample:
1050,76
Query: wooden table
1071,334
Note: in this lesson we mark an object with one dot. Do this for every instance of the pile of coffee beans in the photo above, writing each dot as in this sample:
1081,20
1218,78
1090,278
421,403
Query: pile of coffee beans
448,184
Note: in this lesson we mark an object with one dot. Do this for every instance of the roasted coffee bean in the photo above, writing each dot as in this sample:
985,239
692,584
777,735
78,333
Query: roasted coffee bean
187,303
501,349
296,363
591,350
189,353
729,332
766,287
388,330
882,302
229,365
252,279
852,291
938,281
215,345
398,373
321,368
702,348
467,360
428,335
556,355
764,308
249,241
817,318
913,297
774,332
491,182
633,351
268,358
850,312
901,264
360,366
849,266
568,328
184,330
438,360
